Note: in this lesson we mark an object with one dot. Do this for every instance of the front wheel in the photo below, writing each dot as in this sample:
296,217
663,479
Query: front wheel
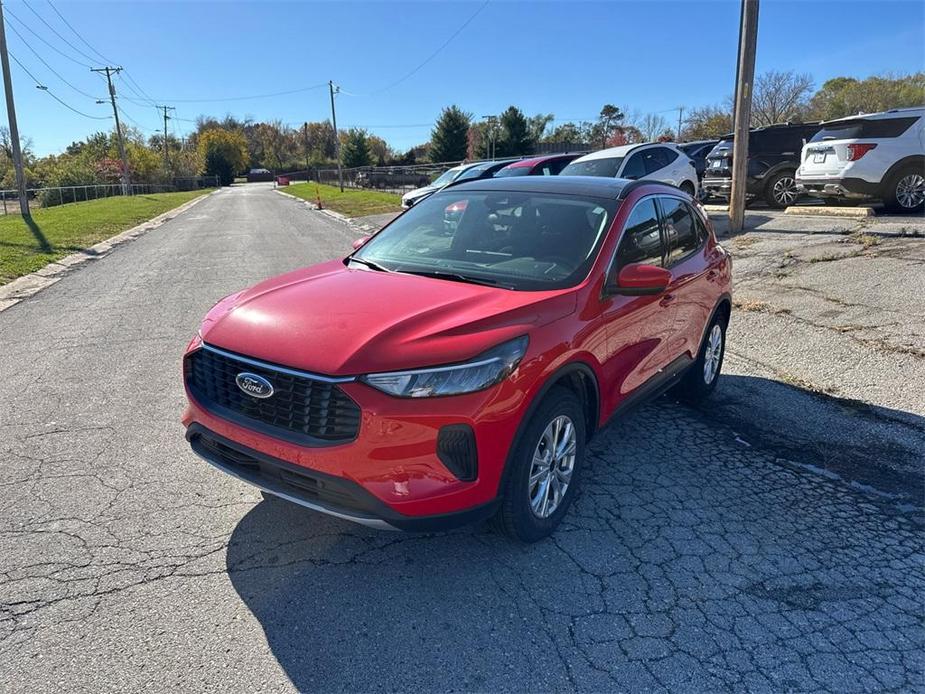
545,469
701,377
781,190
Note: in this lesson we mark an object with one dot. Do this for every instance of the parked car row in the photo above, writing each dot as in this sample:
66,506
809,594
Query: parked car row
869,157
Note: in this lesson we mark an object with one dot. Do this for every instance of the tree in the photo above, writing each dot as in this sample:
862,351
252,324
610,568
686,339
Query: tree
538,124
706,123
224,153
355,148
515,138
607,123
449,138
379,150
780,97
847,96
568,133
651,125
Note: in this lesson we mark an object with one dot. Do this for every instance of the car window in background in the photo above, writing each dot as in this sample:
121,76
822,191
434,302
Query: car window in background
635,166
513,171
655,159
554,168
594,167
680,227
523,241
855,129
446,177
642,240
472,173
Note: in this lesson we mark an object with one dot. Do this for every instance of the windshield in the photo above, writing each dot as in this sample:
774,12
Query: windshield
521,241
474,172
509,171
447,177
594,167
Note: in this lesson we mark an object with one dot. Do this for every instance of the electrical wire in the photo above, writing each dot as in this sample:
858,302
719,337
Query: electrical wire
42,39
45,89
50,68
436,52
86,43
56,33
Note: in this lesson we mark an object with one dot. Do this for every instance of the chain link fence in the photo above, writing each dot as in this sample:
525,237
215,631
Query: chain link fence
63,195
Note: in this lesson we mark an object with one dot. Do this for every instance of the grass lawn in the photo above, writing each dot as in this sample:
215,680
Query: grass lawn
352,202
60,231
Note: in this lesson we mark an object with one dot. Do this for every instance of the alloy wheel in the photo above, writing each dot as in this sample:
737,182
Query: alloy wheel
712,354
785,190
552,466
910,191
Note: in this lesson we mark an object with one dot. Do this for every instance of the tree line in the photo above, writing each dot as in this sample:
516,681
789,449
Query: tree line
229,146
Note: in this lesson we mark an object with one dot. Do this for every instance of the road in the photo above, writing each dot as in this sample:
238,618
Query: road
704,553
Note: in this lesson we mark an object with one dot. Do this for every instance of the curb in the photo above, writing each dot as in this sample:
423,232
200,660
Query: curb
31,284
349,221
852,212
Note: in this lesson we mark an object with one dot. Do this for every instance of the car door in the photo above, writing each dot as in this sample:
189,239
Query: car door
637,327
688,299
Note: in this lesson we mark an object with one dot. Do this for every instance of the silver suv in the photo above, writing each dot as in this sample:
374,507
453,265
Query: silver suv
878,155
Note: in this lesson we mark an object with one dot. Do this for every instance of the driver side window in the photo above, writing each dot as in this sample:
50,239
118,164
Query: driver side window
642,238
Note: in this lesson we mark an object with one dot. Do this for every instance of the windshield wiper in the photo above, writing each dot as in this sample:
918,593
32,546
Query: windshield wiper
368,263
456,277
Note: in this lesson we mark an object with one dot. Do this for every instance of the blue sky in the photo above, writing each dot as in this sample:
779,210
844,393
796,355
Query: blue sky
566,58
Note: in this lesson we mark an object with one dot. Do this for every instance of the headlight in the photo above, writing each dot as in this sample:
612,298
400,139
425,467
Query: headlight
485,370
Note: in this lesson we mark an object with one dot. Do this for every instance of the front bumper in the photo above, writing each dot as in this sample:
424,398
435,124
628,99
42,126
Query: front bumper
317,491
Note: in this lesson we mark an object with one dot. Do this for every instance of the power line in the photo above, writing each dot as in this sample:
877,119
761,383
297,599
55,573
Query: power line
246,98
52,94
55,31
86,43
50,68
436,52
50,45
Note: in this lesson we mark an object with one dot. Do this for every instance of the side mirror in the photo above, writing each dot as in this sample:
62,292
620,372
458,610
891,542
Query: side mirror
640,279
360,242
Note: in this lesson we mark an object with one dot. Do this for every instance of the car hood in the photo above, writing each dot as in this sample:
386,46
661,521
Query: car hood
418,192
332,320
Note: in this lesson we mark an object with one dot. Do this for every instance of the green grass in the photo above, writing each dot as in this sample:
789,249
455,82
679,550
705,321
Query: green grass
60,231
352,202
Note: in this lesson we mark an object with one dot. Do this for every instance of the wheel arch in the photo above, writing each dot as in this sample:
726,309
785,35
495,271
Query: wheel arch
911,160
577,376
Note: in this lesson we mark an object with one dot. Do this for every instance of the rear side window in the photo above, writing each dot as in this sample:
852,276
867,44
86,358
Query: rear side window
635,166
685,235
594,167
642,238
655,159
863,129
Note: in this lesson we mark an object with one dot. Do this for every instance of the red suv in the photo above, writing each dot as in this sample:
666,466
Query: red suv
454,367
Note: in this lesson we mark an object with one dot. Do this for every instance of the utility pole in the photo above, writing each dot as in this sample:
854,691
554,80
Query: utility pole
14,129
745,78
166,151
305,144
492,136
340,170
110,71
680,118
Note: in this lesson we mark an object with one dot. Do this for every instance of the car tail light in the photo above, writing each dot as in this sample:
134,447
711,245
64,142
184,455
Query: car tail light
855,152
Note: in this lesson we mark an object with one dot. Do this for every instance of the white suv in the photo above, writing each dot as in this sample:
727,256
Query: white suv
654,161
878,155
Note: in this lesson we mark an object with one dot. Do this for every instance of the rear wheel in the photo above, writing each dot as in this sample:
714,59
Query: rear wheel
781,190
688,188
545,469
905,191
701,377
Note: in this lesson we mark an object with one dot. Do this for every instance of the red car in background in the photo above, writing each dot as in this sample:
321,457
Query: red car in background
547,165
441,374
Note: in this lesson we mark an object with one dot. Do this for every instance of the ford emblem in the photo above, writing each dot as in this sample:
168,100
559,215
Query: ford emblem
255,385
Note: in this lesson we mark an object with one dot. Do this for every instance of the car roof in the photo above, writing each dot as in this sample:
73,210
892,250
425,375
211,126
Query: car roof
623,150
892,113
590,186
533,161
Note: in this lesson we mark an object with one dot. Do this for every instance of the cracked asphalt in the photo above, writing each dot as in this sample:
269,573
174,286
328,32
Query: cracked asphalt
771,541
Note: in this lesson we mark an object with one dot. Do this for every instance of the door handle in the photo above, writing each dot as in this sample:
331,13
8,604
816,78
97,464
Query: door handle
666,300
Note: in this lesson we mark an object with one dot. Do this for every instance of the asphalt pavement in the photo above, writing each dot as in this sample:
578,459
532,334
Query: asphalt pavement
712,549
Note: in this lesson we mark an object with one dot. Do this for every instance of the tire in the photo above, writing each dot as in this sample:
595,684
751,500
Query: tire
699,382
905,191
688,188
780,191
516,516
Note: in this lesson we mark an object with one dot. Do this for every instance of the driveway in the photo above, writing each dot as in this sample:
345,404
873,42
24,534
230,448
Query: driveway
711,549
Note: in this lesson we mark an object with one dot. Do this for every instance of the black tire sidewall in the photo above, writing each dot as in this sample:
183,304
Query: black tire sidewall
517,517
769,189
890,199
693,388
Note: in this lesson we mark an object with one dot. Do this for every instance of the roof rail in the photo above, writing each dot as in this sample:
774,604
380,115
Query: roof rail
633,185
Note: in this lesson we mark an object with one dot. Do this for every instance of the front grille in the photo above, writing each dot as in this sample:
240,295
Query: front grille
301,408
